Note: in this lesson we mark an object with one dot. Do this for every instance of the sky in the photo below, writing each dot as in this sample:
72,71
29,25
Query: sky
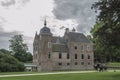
27,16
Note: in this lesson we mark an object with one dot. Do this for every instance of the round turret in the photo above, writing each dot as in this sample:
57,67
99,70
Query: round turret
45,30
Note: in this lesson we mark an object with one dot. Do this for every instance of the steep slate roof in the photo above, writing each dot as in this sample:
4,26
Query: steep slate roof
36,38
54,40
62,40
59,48
45,30
78,37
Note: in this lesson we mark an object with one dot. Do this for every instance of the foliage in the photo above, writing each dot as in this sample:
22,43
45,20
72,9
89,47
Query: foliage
29,57
106,32
9,64
5,51
113,64
19,48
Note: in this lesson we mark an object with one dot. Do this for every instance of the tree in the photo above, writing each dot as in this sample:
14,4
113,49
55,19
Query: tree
29,57
108,33
5,51
19,48
9,64
98,47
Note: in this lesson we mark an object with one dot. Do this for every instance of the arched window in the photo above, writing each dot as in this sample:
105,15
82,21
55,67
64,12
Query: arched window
60,55
82,56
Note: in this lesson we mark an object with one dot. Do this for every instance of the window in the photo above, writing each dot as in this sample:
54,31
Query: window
76,63
88,48
39,63
75,47
68,63
82,63
88,56
82,56
75,56
40,37
82,48
66,40
49,55
68,56
49,44
59,64
88,63
60,55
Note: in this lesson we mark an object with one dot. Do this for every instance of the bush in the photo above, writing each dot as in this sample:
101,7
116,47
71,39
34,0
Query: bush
10,64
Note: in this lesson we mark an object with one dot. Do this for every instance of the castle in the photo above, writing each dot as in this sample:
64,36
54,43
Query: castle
73,51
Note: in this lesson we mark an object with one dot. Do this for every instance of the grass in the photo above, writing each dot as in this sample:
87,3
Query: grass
12,73
114,64
75,76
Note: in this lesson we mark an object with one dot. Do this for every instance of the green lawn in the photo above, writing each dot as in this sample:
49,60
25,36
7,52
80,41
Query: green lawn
76,76
12,73
114,64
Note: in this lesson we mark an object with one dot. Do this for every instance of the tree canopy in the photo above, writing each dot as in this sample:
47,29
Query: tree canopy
20,49
106,32
9,64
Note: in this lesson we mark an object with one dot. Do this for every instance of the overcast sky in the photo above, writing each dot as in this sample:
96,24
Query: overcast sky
27,16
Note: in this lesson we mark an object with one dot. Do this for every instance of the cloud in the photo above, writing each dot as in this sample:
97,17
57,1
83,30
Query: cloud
80,10
6,36
29,41
2,21
8,3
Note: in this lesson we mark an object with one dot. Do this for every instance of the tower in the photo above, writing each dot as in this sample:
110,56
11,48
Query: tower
44,50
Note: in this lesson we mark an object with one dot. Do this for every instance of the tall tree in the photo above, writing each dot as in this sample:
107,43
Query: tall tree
18,47
108,33
99,49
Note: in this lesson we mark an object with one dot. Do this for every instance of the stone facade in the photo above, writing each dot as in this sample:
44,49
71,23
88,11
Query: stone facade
73,51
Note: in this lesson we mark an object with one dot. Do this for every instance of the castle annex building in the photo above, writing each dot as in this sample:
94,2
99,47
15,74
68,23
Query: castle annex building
73,51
